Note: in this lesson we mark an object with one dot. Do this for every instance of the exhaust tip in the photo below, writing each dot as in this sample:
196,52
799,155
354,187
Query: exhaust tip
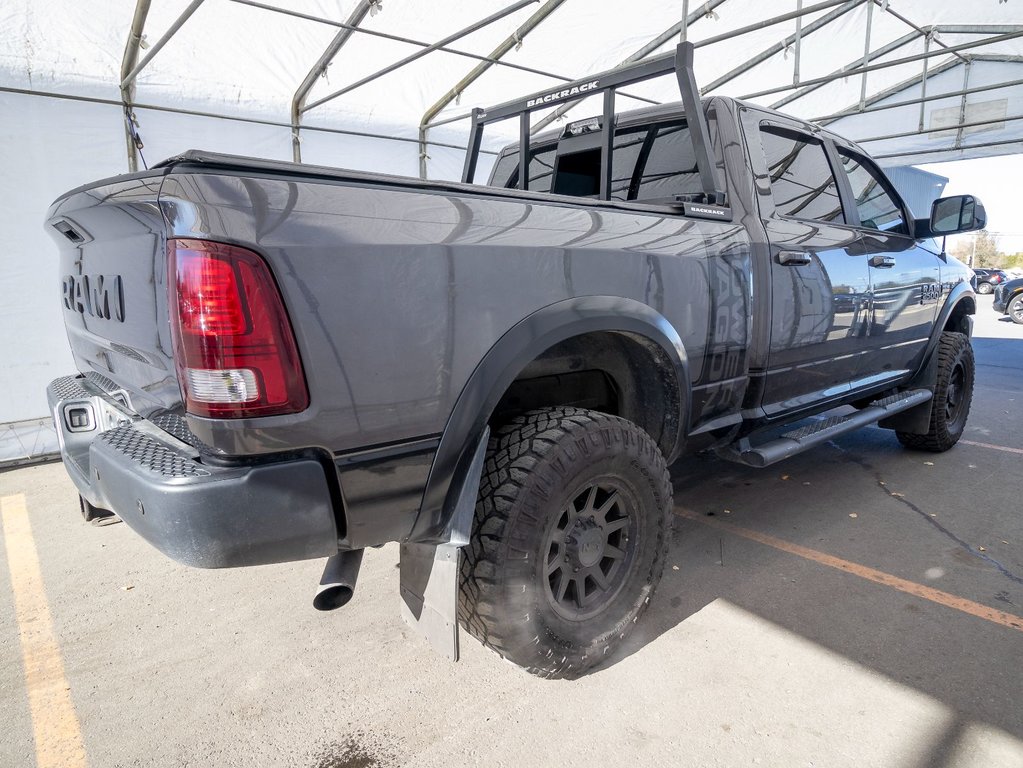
331,596
337,585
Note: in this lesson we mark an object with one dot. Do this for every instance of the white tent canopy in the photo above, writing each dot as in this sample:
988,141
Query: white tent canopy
227,75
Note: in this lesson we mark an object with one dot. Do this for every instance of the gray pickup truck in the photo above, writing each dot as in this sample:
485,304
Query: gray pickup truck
282,361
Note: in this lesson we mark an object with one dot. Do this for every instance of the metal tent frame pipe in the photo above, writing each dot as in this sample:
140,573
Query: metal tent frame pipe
893,63
681,28
298,100
127,84
132,65
497,54
464,32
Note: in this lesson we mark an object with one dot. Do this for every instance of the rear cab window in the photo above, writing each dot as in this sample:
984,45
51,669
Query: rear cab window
652,162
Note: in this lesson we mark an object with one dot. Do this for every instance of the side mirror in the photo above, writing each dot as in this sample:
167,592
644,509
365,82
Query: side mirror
959,213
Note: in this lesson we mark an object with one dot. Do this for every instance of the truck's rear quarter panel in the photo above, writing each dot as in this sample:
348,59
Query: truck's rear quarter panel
397,295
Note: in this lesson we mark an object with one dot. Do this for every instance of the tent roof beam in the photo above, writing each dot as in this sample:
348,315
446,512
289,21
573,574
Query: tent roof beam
950,29
298,100
923,77
510,42
805,89
777,48
974,124
406,40
913,102
464,32
641,53
856,70
129,79
939,150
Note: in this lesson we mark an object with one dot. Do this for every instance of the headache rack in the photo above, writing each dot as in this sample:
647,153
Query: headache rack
680,62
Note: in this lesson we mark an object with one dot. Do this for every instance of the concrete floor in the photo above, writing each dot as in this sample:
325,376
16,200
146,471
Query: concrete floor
850,607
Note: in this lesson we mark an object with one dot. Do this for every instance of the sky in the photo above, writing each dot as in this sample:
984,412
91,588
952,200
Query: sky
996,181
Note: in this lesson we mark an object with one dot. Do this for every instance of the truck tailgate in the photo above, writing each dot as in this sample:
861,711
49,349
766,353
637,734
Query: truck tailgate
113,283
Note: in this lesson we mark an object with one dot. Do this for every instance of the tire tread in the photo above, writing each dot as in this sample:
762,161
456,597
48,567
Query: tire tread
515,450
938,439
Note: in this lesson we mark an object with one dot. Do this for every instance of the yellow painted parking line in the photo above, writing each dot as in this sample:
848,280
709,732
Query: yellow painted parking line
864,572
1005,448
55,726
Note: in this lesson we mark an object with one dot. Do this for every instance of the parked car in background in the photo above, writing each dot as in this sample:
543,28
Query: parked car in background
1009,300
989,279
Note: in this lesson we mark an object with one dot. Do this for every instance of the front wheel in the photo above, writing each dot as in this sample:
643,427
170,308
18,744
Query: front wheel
568,541
953,394
1015,309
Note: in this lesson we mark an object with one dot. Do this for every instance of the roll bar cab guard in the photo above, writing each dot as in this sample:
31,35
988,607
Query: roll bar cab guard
680,62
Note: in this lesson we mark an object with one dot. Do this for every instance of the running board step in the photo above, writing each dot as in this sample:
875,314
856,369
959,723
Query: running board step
821,431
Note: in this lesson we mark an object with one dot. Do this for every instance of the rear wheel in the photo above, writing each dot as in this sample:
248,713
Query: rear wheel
985,288
1015,309
953,394
568,541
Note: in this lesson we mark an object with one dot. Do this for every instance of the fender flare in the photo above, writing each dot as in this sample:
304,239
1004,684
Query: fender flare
917,419
960,292
501,365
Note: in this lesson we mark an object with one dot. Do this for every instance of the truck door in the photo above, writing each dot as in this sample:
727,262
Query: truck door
905,277
820,284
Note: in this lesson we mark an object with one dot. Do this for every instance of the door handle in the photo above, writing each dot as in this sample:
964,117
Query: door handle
882,261
793,258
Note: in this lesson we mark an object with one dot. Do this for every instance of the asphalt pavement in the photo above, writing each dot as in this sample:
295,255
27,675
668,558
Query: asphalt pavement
860,605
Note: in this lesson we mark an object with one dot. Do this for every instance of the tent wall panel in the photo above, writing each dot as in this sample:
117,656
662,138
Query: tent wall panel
49,147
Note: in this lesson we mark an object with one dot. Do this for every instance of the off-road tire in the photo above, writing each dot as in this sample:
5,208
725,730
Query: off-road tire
537,468
953,394
1014,309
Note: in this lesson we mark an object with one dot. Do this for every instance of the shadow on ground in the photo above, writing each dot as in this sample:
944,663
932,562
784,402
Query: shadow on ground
948,521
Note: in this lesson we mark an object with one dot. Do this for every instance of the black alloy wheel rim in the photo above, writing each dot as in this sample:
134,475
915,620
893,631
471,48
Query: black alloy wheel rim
589,549
955,394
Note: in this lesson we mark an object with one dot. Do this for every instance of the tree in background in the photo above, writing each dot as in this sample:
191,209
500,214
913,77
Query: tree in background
1013,261
980,250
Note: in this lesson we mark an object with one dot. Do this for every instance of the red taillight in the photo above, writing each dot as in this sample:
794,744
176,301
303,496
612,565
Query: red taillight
233,345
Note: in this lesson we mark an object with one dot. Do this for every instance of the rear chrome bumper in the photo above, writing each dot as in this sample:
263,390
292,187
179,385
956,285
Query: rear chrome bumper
197,513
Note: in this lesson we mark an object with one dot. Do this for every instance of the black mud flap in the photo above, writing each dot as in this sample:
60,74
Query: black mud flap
429,572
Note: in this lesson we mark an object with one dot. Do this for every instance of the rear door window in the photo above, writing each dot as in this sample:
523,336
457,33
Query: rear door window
802,183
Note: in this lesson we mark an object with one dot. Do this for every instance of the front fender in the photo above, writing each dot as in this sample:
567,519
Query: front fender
961,292
501,365
917,420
